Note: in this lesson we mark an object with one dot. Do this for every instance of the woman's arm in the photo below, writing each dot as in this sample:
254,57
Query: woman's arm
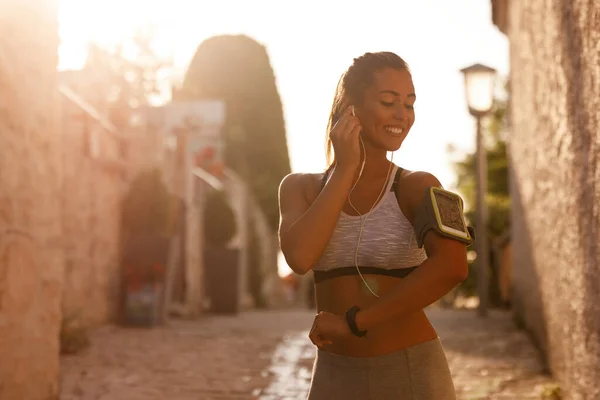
445,267
306,225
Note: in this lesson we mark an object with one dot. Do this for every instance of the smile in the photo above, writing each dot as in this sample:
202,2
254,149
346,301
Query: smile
396,131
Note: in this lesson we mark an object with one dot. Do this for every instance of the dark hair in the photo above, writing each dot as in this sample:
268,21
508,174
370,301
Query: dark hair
352,85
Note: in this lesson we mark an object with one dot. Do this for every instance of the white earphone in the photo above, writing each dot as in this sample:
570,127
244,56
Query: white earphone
363,222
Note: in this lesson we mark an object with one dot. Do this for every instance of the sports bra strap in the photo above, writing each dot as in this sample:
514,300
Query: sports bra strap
394,183
396,179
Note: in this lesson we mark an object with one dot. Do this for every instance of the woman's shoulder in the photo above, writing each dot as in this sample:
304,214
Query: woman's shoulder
414,180
309,183
410,190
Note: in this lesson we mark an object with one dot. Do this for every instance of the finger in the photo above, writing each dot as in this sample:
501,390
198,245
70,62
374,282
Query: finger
320,342
318,338
325,342
349,117
350,131
314,333
355,131
342,115
353,123
335,125
345,104
314,330
342,122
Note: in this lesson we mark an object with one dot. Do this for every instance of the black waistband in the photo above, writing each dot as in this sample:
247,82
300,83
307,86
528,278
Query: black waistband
321,276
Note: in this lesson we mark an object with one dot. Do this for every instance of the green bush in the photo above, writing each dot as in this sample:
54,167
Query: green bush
146,220
146,206
219,219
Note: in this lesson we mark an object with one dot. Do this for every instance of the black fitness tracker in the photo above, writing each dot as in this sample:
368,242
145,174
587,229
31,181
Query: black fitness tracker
351,321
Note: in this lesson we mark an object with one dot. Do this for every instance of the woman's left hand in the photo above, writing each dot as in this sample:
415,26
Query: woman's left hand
328,327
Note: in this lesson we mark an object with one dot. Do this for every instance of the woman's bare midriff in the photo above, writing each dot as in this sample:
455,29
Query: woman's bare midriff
339,294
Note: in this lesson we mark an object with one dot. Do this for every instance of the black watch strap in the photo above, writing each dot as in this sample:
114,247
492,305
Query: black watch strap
351,321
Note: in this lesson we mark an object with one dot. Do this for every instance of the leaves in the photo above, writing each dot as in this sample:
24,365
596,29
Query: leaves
132,72
497,197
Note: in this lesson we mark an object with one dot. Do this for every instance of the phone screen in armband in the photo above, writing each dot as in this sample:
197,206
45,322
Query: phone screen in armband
448,208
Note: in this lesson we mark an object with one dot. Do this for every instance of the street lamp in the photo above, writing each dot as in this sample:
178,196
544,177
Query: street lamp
479,90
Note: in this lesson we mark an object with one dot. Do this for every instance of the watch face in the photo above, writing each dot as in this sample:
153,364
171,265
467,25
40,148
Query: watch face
450,210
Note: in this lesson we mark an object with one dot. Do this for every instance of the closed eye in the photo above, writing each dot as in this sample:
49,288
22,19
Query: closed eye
386,104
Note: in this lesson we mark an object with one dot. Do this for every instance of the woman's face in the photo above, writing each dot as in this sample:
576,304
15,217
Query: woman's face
387,110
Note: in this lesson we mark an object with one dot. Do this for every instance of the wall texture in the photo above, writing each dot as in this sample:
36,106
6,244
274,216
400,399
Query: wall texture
31,253
63,174
91,196
555,154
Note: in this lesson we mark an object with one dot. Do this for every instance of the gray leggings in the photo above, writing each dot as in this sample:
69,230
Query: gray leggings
416,373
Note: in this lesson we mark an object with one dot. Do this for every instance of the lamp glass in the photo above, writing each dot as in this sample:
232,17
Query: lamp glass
480,90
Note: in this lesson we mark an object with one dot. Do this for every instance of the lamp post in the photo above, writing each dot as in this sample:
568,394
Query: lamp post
479,88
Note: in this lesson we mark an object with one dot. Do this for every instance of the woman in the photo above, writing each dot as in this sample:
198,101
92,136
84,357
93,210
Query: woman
354,226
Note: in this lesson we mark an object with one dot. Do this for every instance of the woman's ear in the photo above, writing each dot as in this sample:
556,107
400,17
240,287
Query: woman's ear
353,112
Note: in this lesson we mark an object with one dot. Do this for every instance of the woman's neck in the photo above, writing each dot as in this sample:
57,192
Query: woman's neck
376,163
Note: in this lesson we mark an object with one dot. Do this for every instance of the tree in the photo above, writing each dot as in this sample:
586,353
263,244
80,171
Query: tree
132,71
236,69
497,196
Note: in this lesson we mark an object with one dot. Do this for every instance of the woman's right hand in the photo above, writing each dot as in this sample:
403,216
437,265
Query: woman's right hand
345,139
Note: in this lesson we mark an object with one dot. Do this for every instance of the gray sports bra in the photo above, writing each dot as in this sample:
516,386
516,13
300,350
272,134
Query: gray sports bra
387,246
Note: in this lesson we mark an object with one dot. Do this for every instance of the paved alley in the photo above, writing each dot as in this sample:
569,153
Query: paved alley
267,355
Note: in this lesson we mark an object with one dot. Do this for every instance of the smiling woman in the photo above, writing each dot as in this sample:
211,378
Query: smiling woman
376,267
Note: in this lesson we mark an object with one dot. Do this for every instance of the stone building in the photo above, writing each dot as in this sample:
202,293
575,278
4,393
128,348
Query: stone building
31,251
63,172
94,180
554,150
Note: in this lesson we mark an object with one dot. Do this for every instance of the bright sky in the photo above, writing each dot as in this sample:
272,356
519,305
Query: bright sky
310,43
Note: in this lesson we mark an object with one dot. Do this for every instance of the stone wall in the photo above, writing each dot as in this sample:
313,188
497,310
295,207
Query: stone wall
31,252
63,174
93,184
555,154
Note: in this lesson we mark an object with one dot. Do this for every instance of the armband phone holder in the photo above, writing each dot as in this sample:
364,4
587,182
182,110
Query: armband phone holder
442,211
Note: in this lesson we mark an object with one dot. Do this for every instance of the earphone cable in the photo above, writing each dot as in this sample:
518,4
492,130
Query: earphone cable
368,213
